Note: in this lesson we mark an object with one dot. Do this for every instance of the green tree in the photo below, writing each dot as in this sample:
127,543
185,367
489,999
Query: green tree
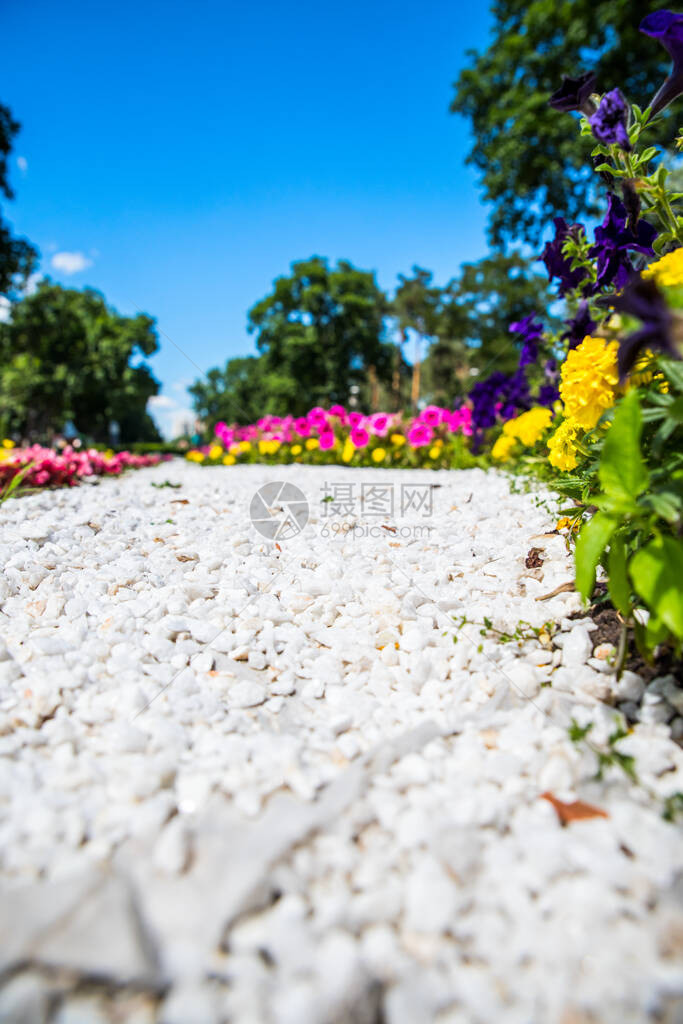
321,332
17,256
234,394
415,306
532,163
474,314
66,354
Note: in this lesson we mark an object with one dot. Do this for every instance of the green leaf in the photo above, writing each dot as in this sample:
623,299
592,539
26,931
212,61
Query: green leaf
618,583
648,154
673,371
666,504
607,169
622,472
594,537
657,574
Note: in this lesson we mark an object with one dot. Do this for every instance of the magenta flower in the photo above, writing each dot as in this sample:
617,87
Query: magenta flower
461,419
379,424
339,411
431,416
359,436
327,439
355,418
302,426
419,435
317,417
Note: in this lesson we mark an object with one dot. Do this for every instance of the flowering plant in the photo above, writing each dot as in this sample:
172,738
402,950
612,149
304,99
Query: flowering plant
435,438
616,444
37,466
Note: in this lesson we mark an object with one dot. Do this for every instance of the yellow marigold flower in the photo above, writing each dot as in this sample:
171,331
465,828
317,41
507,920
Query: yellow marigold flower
215,451
590,379
434,451
398,440
296,449
667,271
7,443
530,426
312,443
229,460
502,449
641,375
268,447
245,446
195,456
563,523
348,450
379,455
236,449
562,448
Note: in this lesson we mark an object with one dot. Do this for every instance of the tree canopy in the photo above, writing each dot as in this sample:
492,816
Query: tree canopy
234,394
67,355
321,331
532,163
17,256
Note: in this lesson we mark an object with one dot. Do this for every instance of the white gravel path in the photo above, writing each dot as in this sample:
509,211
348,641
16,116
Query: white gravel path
264,786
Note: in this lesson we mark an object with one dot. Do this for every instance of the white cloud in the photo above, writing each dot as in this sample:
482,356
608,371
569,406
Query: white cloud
70,262
32,282
171,418
22,164
161,402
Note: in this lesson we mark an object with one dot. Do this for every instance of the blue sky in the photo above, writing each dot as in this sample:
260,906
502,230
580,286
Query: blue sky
178,157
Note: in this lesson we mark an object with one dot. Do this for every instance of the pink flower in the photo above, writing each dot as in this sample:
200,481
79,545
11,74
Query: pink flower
419,435
355,418
339,411
327,439
461,419
431,415
379,424
302,426
317,418
359,436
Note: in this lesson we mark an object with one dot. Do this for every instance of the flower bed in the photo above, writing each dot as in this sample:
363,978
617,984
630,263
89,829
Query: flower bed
435,438
37,466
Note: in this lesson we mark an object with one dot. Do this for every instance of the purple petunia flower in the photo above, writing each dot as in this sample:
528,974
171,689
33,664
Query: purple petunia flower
579,325
610,121
667,27
548,394
574,94
498,395
641,298
556,263
613,239
531,332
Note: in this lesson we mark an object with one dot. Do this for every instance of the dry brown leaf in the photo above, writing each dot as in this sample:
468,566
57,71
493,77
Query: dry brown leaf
180,501
389,529
577,810
533,559
562,589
